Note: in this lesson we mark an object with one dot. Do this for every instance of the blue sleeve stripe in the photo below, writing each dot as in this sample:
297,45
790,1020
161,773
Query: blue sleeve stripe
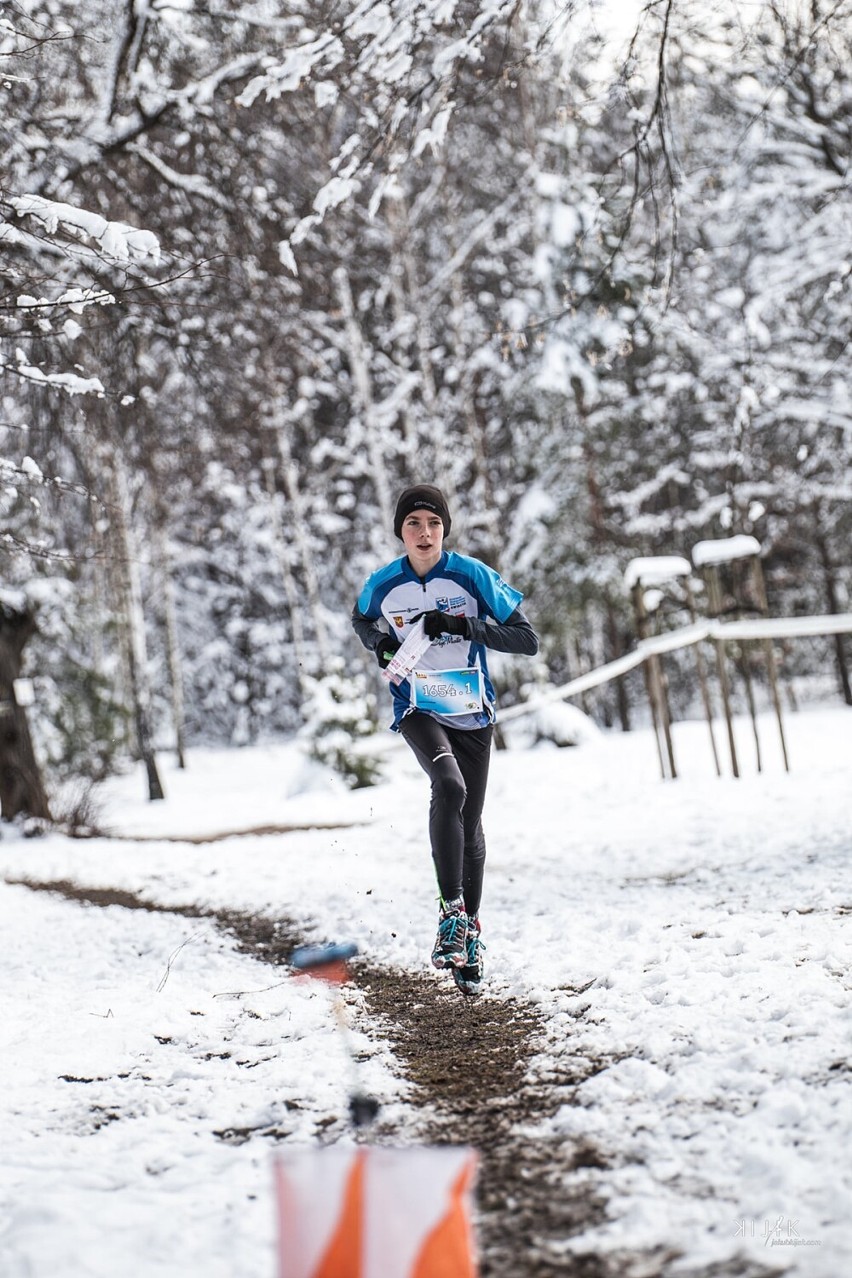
499,598
376,587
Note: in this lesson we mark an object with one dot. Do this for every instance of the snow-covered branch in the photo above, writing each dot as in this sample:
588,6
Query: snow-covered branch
191,183
397,63
115,240
73,383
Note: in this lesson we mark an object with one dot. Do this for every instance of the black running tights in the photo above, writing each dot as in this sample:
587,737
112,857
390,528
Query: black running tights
456,762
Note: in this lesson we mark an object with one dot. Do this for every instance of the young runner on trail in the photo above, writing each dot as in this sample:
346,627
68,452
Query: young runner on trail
445,706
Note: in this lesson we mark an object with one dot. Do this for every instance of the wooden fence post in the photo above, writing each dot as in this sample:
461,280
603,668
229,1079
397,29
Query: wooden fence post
771,667
714,599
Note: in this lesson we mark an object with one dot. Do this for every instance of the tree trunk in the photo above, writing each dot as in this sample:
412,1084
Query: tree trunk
834,608
437,441
617,648
298,531
360,368
21,788
173,653
282,550
474,424
137,651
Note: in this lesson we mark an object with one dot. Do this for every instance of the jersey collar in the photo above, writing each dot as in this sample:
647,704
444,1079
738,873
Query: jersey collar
433,572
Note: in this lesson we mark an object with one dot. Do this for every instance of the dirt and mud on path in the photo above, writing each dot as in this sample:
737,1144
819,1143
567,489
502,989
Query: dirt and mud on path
478,1070
473,1062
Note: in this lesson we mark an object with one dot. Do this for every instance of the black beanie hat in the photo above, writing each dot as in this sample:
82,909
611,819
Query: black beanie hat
421,497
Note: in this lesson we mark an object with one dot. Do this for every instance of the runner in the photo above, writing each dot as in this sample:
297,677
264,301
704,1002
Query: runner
445,707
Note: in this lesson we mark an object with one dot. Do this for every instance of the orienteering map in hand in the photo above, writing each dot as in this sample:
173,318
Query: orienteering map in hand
407,655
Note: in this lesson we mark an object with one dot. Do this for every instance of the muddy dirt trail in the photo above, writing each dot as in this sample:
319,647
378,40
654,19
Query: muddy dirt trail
476,1067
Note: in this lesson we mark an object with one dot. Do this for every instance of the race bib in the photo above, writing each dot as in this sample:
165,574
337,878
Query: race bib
447,691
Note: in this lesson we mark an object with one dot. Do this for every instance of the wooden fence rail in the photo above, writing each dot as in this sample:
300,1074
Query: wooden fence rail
761,628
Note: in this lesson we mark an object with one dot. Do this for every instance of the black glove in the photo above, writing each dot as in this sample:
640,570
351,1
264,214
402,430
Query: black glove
385,650
437,623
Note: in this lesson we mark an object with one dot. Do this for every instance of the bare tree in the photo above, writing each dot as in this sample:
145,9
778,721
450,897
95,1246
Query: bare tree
21,788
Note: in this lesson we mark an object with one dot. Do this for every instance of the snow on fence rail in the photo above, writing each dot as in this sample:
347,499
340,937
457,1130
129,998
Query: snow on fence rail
757,628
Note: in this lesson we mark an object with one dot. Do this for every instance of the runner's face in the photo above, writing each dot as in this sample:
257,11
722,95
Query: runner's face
423,538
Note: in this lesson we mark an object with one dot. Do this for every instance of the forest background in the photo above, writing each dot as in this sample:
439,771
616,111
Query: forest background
263,264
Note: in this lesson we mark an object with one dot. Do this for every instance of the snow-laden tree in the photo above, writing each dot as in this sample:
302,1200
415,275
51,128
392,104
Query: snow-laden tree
321,255
736,414
59,262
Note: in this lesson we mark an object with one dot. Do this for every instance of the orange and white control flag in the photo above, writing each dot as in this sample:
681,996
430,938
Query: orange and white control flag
376,1213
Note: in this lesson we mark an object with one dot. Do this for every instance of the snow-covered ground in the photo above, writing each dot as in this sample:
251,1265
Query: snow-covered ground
692,935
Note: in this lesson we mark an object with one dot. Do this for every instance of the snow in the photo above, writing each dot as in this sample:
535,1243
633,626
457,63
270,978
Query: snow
781,627
115,239
691,936
557,722
335,191
724,550
73,383
299,64
24,691
14,599
435,135
654,570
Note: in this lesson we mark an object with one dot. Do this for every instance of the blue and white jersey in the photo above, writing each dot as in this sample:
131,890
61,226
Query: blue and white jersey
459,585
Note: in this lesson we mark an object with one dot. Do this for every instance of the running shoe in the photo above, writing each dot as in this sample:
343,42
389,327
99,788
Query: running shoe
450,948
468,978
